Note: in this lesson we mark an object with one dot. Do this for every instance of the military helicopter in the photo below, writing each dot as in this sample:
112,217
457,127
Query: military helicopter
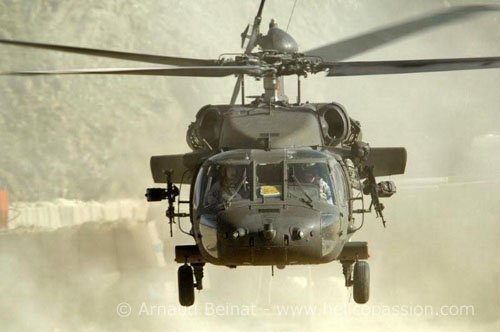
272,182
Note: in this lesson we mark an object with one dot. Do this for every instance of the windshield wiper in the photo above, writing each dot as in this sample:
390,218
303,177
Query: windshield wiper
301,199
303,191
228,201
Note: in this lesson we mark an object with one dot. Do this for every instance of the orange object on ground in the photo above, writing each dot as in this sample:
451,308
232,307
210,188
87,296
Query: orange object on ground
4,208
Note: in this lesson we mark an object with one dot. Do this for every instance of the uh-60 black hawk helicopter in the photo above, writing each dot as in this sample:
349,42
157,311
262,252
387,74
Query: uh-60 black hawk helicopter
272,182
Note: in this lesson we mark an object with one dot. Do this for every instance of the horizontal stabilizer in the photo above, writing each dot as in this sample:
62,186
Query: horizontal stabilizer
182,165
387,161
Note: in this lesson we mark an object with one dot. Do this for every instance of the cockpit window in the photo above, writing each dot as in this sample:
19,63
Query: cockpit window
227,183
269,180
310,182
226,180
341,184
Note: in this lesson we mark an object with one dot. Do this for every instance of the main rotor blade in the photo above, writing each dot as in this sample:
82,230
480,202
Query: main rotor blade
157,59
209,71
408,66
352,46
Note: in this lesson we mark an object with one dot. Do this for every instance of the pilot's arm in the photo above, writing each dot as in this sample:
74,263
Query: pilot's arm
214,195
324,190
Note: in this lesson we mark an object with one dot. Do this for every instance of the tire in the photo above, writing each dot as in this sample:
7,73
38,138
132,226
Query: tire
361,282
186,285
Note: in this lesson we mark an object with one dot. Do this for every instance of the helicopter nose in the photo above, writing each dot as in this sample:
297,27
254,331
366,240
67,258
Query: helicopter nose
269,233
275,236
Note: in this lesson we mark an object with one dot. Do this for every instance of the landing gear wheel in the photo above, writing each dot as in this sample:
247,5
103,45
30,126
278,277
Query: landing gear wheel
186,285
361,282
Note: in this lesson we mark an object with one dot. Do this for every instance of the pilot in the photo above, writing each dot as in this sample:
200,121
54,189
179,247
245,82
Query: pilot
310,175
225,188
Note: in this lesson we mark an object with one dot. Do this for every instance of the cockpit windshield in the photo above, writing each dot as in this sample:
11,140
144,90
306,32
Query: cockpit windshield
233,178
310,181
227,183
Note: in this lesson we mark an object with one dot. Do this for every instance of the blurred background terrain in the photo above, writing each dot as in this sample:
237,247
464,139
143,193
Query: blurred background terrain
90,138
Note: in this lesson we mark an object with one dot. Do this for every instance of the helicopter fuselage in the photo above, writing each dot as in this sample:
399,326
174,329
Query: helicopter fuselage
274,184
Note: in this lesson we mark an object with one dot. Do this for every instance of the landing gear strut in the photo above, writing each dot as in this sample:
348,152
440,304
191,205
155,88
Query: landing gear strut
186,276
347,271
358,278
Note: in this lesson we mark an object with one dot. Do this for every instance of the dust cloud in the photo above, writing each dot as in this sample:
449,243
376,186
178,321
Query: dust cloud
91,137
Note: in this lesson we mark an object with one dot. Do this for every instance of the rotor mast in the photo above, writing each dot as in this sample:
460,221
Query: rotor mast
270,89
274,89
